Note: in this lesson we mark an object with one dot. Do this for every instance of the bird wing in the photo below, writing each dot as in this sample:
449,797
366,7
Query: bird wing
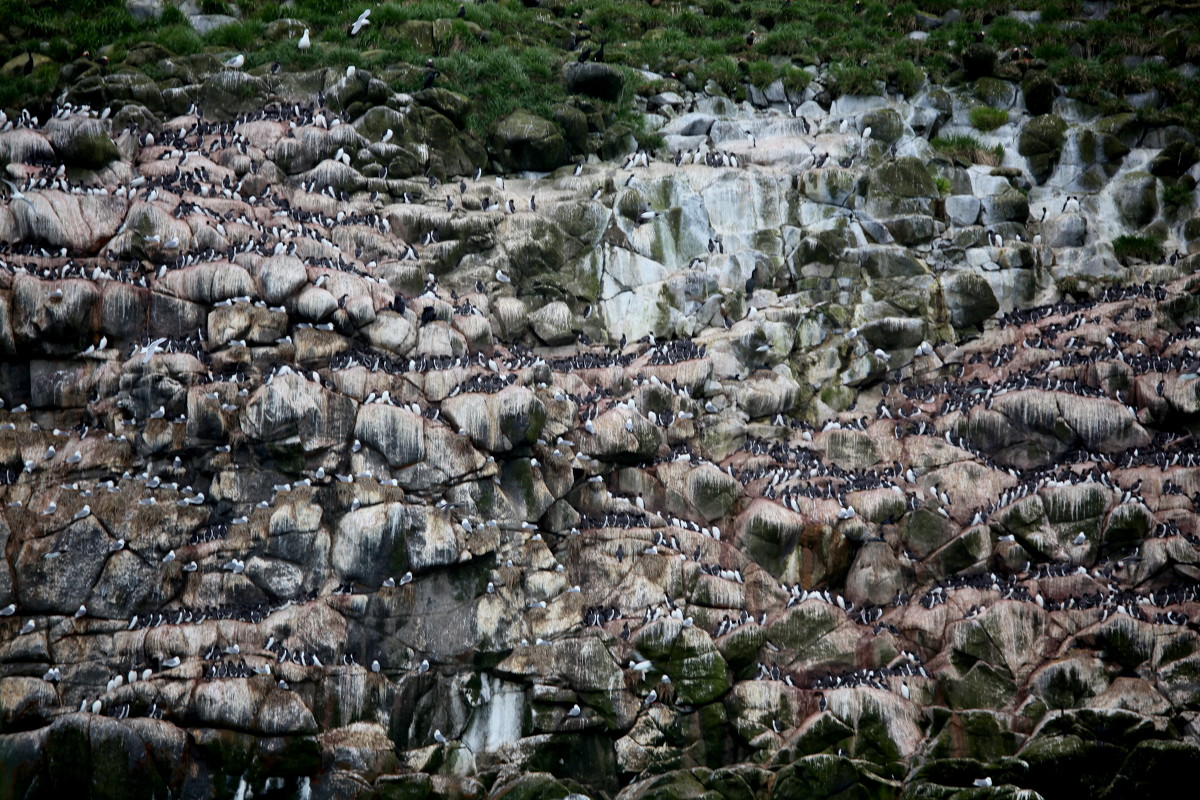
16,193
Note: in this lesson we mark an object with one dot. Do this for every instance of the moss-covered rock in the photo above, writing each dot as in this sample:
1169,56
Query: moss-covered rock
574,126
1136,198
982,687
449,104
979,60
905,177
1039,90
851,449
711,491
826,776
697,671
82,142
530,786
1041,142
1008,205
894,333
818,631
525,141
979,735
598,80
925,531
1175,159
885,124
969,299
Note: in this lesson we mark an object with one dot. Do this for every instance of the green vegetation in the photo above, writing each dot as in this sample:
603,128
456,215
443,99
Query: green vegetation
943,185
966,150
1178,193
986,118
508,54
1140,247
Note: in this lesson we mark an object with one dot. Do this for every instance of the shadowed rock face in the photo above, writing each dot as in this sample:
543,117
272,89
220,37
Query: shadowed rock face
769,479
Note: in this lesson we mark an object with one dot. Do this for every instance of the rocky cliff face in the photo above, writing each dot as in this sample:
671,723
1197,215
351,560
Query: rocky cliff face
797,459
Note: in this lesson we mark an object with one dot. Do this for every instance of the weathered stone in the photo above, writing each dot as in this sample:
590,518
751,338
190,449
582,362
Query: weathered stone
398,434
602,81
1136,197
1041,143
525,141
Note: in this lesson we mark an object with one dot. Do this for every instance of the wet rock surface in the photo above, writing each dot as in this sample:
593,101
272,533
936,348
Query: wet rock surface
757,467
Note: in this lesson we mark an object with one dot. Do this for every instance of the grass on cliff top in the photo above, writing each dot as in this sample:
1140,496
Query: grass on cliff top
506,55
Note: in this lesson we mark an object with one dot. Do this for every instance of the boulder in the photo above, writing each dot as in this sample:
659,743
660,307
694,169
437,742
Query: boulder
1039,91
1175,159
905,177
1064,230
497,422
979,60
969,299
279,278
396,433
1041,142
82,142
553,323
524,141
1136,197
598,80
885,124
963,209
293,412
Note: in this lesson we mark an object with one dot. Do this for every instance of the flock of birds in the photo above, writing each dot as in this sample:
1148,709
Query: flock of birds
1057,348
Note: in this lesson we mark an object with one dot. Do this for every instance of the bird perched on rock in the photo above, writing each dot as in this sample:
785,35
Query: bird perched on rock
235,62
305,42
431,74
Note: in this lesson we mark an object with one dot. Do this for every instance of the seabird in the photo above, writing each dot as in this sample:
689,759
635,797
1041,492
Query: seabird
305,42
15,193
236,62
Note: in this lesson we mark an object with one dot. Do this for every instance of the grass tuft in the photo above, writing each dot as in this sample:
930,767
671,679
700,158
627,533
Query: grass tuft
1141,247
986,118
965,150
